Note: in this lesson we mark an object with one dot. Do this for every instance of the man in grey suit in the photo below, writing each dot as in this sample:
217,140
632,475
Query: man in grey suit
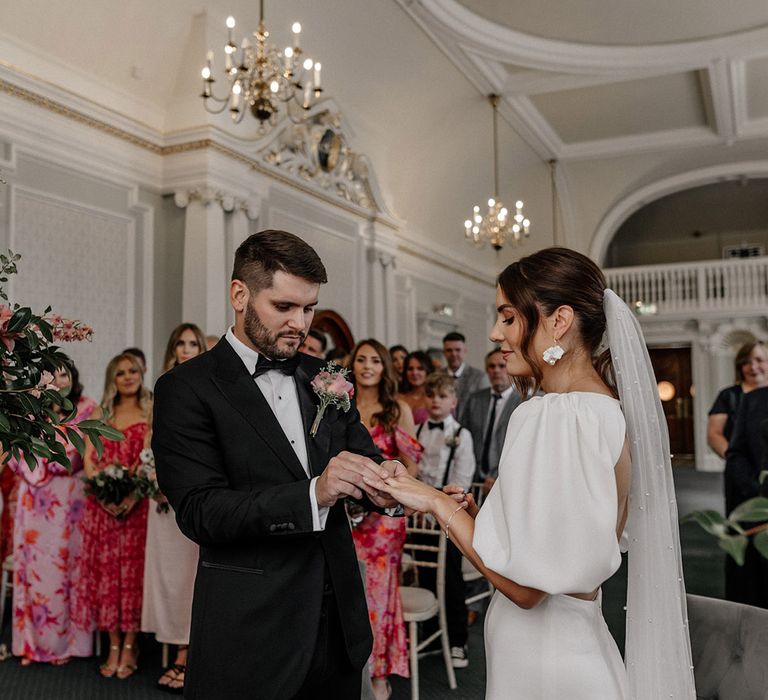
468,379
486,415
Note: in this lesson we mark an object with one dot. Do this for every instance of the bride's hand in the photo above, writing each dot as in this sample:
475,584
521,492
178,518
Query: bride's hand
462,497
410,492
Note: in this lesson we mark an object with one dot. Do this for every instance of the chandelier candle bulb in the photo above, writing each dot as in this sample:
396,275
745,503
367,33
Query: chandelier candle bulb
317,76
296,29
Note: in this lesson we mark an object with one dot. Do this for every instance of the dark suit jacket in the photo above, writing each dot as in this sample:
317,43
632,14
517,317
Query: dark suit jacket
474,414
746,454
470,381
240,492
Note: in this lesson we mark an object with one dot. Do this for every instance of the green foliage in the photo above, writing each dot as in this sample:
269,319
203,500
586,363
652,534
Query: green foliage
733,532
34,414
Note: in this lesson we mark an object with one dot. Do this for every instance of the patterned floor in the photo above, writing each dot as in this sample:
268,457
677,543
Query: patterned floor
702,560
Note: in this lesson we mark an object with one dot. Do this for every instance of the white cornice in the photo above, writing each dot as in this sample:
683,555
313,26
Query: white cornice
541,53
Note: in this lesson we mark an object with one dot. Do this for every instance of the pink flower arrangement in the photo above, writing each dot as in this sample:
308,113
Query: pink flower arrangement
333,389
5,337
69,331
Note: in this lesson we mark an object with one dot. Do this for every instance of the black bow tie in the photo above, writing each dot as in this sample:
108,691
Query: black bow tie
287,366
435,426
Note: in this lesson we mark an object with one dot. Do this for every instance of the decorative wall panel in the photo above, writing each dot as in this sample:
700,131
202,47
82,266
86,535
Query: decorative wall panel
80,261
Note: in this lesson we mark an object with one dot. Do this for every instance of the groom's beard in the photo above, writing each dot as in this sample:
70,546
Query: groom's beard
264,341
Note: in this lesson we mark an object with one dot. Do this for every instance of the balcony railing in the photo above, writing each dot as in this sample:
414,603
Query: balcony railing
674,288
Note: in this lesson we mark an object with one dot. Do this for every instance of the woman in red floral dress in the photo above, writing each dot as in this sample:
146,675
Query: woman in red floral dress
378,538
111,562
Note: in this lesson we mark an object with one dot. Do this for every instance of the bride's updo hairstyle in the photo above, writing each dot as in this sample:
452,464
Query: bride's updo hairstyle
540,283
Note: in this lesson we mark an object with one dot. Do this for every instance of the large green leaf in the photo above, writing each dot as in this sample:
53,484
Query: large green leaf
19,319
712,521
735,545
753,510
760,540
107,431
77,440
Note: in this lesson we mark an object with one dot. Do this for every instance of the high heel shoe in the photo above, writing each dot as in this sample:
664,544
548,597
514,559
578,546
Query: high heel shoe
127,670
108,670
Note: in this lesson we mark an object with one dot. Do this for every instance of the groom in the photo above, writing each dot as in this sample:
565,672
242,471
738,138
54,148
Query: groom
279,608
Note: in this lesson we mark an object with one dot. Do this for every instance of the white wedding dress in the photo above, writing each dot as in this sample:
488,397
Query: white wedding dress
549,522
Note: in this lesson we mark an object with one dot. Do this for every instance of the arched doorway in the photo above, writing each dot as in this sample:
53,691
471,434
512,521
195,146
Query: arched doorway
335,327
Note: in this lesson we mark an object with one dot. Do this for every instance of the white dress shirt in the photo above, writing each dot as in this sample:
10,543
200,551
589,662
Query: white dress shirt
436,451
280,392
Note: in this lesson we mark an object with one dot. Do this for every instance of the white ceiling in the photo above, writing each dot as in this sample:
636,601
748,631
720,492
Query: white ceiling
592,78
625,22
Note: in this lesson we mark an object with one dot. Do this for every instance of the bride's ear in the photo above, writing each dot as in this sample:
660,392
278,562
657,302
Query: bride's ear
562,320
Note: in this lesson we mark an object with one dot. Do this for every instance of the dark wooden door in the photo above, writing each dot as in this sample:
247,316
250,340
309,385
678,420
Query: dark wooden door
673,374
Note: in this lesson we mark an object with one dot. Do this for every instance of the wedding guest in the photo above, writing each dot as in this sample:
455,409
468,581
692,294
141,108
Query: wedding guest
486,415
171,559
437,358
315,344
745,459
379,539
138,353
211,340
398,353
417,367
46,545
751,365
9,488
338,355
469,379
448,459
110,567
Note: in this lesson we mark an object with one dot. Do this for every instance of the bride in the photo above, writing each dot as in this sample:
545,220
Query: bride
579,463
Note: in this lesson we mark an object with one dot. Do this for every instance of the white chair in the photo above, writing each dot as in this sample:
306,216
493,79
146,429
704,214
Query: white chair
6,584
425,540
468,571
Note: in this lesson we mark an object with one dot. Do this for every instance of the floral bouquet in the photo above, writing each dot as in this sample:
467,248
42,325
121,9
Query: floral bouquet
111,485
333,389
146,479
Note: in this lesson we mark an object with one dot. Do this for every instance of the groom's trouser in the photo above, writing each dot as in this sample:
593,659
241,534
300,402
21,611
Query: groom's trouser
330,674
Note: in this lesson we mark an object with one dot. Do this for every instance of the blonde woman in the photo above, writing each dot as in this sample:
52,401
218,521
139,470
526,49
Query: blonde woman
110,568
171,558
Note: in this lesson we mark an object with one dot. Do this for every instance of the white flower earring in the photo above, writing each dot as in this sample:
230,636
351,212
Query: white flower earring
553,353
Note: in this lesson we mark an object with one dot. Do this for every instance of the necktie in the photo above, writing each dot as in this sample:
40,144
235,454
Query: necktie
435,426
485,467
288,366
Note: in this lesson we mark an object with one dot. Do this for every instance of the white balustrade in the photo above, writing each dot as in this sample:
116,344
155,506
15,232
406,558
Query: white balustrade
673,288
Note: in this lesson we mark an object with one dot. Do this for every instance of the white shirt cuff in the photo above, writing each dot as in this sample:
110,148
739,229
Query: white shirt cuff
319,515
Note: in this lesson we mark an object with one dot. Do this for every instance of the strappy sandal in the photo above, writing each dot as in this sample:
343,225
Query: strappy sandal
178,671
127,670
181,670
107,670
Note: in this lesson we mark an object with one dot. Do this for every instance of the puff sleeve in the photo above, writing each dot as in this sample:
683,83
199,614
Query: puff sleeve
549,522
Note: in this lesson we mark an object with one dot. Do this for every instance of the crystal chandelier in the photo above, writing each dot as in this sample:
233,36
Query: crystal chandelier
497,225
260,76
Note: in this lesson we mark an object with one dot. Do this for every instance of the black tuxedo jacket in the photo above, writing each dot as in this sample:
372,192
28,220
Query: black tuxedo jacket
746,454
240,492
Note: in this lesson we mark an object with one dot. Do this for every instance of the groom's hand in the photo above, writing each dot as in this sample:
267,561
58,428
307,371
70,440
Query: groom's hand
348,474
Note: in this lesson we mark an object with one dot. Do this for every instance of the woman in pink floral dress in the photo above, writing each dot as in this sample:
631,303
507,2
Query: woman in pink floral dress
378,538
111,563
46,544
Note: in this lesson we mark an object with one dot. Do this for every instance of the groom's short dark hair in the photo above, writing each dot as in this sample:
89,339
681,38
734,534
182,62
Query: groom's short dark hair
264,253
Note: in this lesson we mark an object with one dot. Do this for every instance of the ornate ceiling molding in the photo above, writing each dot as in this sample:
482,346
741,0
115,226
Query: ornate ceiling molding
291,155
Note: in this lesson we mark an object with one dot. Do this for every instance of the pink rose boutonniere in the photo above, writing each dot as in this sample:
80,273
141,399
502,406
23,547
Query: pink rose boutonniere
333,389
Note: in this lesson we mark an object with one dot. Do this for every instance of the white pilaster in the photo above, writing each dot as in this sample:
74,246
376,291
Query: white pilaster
204,283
